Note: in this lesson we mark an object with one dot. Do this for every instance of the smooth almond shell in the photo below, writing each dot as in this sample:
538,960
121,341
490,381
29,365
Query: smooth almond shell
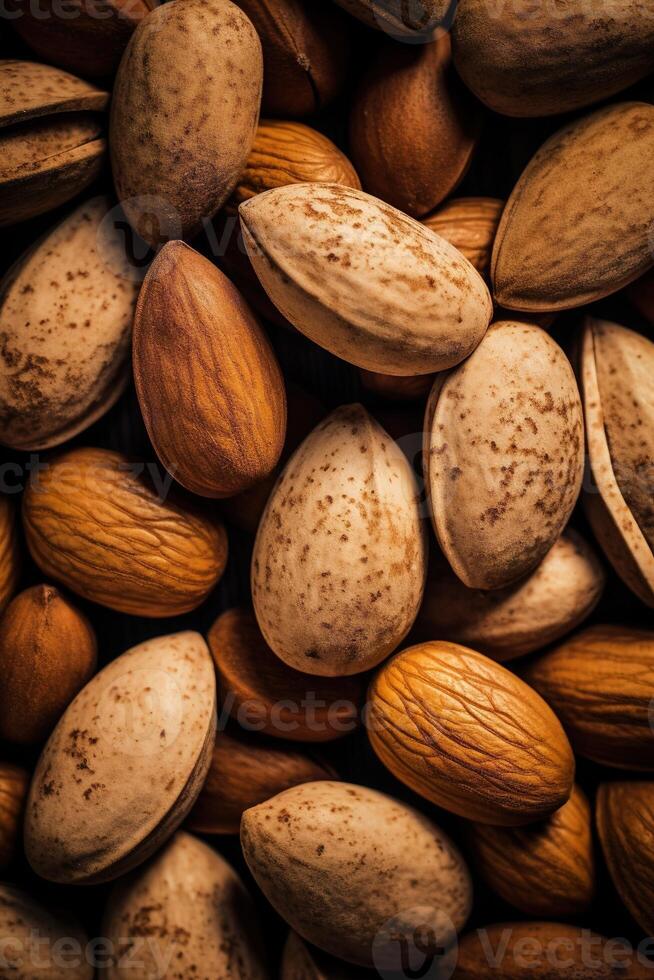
546,869
213,51
10,551
300,961
539,60
470,736
194,906
363,280
599,683
305,848
413,127
511,622
615,369
94,523
40,941
48,652
470,224
262,693
554,248
66,310
125,764
504,455
625,824
14,783
208,382
339,561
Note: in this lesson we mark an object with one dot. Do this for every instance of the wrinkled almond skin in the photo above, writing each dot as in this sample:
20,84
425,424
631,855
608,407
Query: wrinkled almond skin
511,622
208,382
599,683
14,783
504,455
66,309
470,224
305,849
48,651
36,937
554,249
10,556
625,824
363,280
244,772
470,736
615,372
214,55
547,869
401,20
291,153
98,526
546,59
260,691
339,561
196,907
413,126
305,54
300,961
125,764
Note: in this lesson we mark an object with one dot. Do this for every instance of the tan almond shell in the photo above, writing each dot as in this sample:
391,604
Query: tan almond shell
546,59
191,77
305,848
66,309
39,940
547,869
519,619
125,764
555,249
208,382
96,524
615,371
625,825
291,153
504,455
398,19
30,90
468,735
196,911
10,551
470,224
599,682
300,961
14,784
363,280
339,561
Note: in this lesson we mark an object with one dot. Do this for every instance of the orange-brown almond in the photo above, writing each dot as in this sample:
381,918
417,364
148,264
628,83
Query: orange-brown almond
470,224
209,385
48,652
14,783
10,557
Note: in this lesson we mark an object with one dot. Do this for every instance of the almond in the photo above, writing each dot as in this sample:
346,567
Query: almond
125,764
625,823
546,869
10,555
168,183
417,21
14,783
600,683
470,224
413,126
339,561
96,524
504,455
301,961
554,248
208,382
363,280
41,941
470,736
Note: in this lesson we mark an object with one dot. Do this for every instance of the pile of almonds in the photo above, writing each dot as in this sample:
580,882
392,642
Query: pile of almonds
357,295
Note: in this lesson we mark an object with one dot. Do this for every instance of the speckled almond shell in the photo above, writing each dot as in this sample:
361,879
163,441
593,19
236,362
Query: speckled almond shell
194,906
191,77
324,854
399,19
363,280
467,734
66,314
339,561
29,90
555,248
529,59
511,622
504,452
36,938
617,380
125,764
